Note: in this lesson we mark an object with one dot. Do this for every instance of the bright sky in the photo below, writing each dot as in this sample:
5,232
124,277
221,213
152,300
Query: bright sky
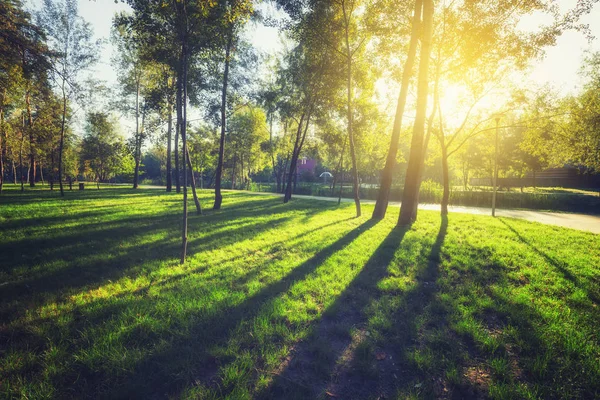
559,68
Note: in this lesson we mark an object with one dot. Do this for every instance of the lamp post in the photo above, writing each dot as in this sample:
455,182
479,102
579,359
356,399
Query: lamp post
495,176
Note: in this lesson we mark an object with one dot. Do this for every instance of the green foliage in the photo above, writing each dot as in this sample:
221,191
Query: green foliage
103,152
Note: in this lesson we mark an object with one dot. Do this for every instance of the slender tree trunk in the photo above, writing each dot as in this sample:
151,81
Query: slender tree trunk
390,162
183,112
32,162
169,139
408,210
294,160
62,140
233,172
21,156
2,145
51,177
341,188
136,172
355,183
41,172
177,173
219,172
193,182
14,172
339,167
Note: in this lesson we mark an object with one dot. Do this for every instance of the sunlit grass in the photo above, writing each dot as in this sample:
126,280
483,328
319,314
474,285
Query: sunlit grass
288,301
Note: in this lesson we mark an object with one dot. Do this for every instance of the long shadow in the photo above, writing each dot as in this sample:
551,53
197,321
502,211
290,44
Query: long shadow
77,274
558,266
164,369
324,362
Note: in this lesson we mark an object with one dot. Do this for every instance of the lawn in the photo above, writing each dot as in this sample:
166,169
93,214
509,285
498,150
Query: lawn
297,300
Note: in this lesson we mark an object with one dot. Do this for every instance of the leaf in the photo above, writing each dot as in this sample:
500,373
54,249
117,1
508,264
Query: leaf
380,355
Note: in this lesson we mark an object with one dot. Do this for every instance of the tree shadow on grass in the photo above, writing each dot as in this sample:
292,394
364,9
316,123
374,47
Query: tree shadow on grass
186,358
93,254
592,290
338,358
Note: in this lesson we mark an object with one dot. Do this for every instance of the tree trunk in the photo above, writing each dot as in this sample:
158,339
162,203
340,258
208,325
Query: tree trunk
182,128
408,210
177,126
136,172
14,168
193,182
275,175
21,156
32,163
233,172
169,133
41,172
219,172
390,162
2,145
62,139
296,153
355,183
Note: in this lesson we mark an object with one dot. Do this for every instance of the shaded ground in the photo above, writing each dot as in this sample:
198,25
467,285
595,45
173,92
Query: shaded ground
289,301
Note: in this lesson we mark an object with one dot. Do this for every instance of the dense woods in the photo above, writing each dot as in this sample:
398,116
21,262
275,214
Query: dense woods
320,96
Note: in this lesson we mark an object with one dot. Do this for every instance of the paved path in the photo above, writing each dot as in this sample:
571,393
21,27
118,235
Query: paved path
582,222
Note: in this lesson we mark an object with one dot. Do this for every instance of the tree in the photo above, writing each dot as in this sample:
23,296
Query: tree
69,37
408,210
23,66
386,174
133,80
236,13
103,151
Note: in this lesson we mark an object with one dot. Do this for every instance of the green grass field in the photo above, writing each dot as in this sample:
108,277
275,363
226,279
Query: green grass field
296,300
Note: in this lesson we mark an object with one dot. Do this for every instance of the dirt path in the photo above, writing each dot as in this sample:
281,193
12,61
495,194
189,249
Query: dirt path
582,222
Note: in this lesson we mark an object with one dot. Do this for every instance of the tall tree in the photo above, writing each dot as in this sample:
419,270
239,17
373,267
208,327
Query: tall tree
386,175
408,210
235,14
70,37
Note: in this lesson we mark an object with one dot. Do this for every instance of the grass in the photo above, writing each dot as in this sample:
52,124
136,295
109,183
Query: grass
297,300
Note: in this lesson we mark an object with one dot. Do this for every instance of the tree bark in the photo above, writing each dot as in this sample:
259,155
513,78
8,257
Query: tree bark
169,139
21,155
32,162
2,145
177,126
183,113
390,162
62,139
233,172
219,172
355,183
408,209
296,152
193,182
136,172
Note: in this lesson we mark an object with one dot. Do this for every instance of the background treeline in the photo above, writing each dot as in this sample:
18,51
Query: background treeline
254,116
